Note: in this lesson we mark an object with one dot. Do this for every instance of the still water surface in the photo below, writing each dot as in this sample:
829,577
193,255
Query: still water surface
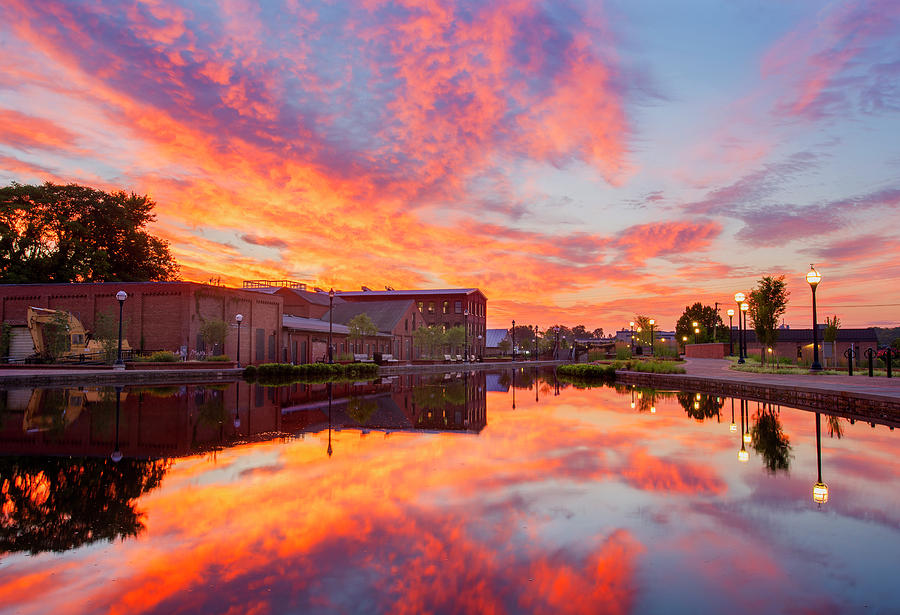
479,493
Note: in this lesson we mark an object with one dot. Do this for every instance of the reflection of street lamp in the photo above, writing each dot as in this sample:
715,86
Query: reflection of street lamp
733,427
535,384
116,455
121,296
239,318
514,387
632,397
330,397
330,347
813,277
743,455
820,489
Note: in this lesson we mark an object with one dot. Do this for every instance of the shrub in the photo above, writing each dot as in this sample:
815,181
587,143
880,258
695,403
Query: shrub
285,373
623,353
587,372
218,357
250,373
161,356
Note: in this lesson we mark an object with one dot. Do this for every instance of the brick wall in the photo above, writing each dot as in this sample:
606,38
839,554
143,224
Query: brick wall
706,351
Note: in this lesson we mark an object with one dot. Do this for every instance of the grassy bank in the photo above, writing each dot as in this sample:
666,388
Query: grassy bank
284,373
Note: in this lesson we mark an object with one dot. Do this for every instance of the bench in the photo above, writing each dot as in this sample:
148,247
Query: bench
361,358
459,358
388,358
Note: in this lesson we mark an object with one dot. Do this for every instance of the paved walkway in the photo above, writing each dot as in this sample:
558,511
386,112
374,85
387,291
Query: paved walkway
861,385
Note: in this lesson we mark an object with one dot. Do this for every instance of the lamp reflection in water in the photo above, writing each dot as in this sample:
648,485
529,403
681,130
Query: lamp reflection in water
820,489
514,388
745,409
733,427
116,455
632,397
743,455
330,398
535,381
237,400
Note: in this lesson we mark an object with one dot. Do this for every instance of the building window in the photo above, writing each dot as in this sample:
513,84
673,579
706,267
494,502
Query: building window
421,305
446,307
431,307
457,307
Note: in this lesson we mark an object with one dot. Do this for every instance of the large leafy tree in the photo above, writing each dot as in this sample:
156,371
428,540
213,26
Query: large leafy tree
709,322
361,326
72,233
768,303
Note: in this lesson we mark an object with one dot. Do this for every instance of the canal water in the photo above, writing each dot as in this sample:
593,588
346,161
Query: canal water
505,492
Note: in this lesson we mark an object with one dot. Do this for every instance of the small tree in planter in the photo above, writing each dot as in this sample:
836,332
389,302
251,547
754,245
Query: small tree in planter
832,325
213,333
361,326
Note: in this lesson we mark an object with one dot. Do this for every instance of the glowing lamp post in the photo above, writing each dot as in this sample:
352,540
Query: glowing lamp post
466,329
744,307
696,326
121,296
239,318
814,278
730,332
631,324
651,322
738,299
514,345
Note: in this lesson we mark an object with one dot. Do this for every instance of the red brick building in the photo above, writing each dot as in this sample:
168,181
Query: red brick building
445,307
159,315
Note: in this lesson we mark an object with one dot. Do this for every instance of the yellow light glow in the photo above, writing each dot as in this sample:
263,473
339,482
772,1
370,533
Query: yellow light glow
652,322
743,455
813,276
747,438
697,396
696,405
631,324
820,493
733,427
696,330
745,306
632,405
695,324
739,297
653,409
730,312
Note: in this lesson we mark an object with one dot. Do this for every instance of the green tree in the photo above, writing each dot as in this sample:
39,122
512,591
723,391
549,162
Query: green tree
768,302
72,233
708,320
504,346
57,341
832,325
360,327
213,332
455,337
642,330
430,339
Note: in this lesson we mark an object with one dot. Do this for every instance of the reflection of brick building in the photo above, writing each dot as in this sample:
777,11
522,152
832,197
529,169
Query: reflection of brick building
159,315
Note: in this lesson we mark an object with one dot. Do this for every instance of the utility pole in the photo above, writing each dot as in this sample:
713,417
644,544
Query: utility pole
715,322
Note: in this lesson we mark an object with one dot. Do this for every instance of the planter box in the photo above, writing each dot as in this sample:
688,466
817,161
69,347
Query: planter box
179,365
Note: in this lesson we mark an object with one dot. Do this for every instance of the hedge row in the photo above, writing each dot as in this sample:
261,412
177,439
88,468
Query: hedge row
587,371
285,373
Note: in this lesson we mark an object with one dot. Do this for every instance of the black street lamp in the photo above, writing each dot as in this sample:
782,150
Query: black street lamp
514,343
651,322
744,308
631,324
814,278
330,331
466,329
535,342
730,332
239,318
739,298
556,350
696,326
121,296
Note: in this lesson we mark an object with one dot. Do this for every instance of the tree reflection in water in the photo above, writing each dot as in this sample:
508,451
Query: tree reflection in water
770,441
60,503
700,406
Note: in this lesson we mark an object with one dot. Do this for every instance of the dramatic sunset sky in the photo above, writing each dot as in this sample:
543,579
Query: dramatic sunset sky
578,161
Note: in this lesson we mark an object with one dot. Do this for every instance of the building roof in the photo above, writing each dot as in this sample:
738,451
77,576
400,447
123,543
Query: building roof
805,336
409,293
315,298
385,314
315,325
493,337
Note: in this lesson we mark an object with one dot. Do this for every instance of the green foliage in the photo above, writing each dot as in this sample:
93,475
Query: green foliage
596,355
161,356
106,333
72,233
587,372
504,346
768,303
623,353
832,325
361,409
361,326
56,337
218,357
284,373
429,339
653,367
700,406
707,319
642,336
455,336
5,339
214,332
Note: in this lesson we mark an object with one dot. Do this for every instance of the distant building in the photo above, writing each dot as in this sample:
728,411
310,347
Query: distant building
444,307
798,344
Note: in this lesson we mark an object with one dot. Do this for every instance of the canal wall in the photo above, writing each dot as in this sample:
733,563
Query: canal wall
881,408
